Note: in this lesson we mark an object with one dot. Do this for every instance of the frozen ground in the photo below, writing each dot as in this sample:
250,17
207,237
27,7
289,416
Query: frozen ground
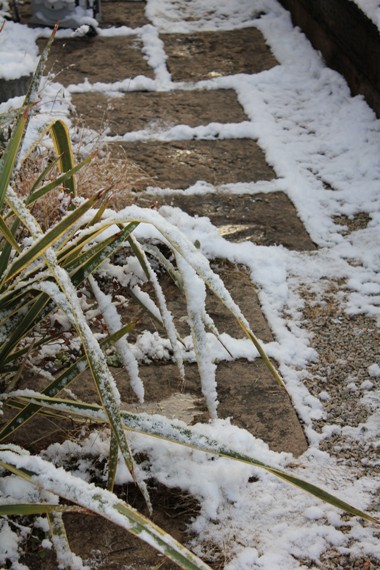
324,147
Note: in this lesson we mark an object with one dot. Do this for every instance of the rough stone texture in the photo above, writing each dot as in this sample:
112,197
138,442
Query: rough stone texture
116,549
347,345
239,284
265,219
123,13
77,59
252,399
140,110
181,164
247,394
203,55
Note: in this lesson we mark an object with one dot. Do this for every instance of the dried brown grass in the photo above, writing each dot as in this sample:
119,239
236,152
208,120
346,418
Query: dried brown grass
120,176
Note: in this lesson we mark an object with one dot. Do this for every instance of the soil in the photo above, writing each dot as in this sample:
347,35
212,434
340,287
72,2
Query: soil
105,546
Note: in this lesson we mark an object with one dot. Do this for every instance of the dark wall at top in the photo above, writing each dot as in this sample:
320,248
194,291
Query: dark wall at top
347,39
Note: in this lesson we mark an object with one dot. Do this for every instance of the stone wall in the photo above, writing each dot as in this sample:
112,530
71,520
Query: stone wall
347,39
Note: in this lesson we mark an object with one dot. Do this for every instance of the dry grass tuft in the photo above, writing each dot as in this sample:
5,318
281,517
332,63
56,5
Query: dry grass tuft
122,177
51,207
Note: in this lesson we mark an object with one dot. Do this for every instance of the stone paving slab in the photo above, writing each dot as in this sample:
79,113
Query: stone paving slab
264,219
251,398
239,284
247,394
123,13
78,59
246,390
130,13
138,110
181,164
204,55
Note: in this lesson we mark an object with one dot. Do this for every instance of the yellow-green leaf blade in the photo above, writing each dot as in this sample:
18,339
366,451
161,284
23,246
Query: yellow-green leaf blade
61,139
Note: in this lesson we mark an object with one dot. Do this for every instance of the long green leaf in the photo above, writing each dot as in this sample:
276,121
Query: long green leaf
162,428
8,160
8,235
35,81
65,556
42,190
27,509
23,326
14,356
42,176
85,264
7,250
62,381
47,240
61,139
140,256
174,274
101,502
63,293
112,462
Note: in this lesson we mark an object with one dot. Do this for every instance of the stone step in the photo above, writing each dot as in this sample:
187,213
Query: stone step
180,164
205,55
138,110
265,219
123,13
76,60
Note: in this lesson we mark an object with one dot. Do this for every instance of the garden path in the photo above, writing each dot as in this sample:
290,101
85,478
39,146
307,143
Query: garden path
123,99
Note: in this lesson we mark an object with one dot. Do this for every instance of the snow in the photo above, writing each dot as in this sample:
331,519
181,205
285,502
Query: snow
17,58
371,8
195,293
323,145
374,370
9,545
114,324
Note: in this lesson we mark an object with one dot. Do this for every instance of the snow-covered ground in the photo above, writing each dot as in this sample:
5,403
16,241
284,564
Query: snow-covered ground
324,147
